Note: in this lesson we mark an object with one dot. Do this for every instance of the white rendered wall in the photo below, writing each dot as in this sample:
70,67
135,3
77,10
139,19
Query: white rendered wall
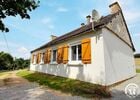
94,72
119,59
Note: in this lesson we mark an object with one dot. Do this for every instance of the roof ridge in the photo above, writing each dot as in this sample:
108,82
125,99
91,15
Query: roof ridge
102,21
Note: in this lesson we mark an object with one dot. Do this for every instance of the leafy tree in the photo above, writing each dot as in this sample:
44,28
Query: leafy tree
6,61
14,8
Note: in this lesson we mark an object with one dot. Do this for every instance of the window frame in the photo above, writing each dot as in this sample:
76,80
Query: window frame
53,62
74,62
35,57
42,58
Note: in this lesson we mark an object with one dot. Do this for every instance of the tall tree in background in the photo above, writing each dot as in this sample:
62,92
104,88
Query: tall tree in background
14,8
7,62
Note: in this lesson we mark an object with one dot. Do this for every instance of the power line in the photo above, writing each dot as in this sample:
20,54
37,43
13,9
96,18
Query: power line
6,42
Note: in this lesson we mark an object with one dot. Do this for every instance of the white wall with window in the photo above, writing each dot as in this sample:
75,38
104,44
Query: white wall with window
75,69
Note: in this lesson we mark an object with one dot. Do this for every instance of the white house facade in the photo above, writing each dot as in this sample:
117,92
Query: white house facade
100,52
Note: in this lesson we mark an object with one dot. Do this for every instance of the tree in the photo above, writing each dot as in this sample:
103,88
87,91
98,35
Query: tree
14,8
6,61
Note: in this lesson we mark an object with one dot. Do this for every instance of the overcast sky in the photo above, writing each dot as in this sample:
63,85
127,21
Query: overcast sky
58,17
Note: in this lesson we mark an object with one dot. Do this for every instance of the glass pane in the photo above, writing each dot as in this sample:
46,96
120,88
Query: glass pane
54,55
79,52
73,53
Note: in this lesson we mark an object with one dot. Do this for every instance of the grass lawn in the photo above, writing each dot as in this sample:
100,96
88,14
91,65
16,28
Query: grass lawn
3,73
137,61
138,70
66,85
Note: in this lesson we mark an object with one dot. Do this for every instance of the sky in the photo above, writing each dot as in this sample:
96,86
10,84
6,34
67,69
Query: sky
57,17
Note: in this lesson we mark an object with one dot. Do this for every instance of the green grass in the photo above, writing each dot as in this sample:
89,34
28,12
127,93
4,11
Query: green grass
3,72
137,61
66,85
138,70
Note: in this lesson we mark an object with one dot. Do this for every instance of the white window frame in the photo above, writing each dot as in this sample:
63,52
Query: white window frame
74,62
34,62
53,62
42,60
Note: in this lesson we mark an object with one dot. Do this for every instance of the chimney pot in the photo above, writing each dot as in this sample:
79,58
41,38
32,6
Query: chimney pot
115,7
53,37
82,24
88,19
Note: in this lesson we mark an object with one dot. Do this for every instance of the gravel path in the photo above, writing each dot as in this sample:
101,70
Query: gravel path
13,87
16,88
32,91
118,91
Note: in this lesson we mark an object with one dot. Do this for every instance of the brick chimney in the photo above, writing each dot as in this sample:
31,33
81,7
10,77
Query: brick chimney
115,7
53,37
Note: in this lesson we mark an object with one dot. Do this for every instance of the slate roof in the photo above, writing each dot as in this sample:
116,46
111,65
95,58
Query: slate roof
84,29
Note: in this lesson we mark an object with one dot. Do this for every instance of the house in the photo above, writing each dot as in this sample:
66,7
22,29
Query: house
99,52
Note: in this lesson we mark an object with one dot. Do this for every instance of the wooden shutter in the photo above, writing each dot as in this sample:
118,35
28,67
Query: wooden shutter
86,51
65,54
60,54
32,59
47,56
37,58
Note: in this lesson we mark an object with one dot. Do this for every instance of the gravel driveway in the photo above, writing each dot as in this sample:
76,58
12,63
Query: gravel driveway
118,91
32,91
17,88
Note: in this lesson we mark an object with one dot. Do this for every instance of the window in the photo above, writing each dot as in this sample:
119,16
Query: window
76,52
54,55
42,58
35,57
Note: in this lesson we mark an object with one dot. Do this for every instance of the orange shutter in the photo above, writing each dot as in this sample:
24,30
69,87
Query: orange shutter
86,51
59,54
47,56
37,58
65,54
32,58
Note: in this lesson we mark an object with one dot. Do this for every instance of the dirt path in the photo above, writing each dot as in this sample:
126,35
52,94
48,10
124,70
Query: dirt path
10,78
13,87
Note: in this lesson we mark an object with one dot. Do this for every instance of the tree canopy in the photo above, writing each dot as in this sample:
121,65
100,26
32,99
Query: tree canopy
7,62
14,8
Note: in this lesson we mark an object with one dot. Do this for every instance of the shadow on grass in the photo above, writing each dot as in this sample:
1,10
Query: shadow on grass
75,87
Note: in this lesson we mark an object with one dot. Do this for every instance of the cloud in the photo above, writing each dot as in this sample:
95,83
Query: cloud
136,35
62,9
48,22
23,52
132,14
16,50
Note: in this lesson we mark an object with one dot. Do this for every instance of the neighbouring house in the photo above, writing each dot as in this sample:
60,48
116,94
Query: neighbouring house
99,52
137,60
